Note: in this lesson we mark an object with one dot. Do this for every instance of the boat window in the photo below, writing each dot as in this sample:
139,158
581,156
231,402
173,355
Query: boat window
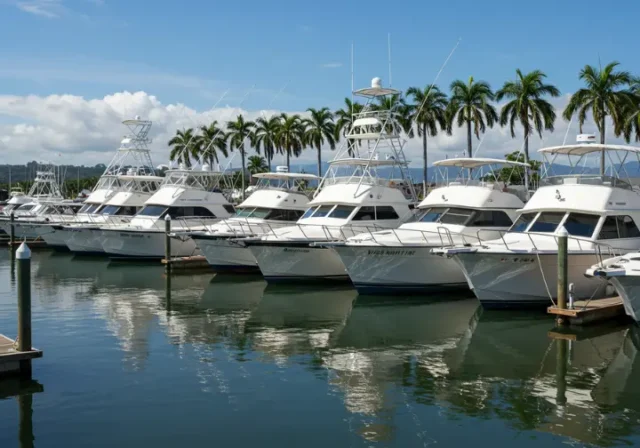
153,210
547,222
243,212
342,211
229,208
110,210
308,213
615,227
581,224
88,208
25,207
260,213
322,211
491,218
386,212
432,214
190,212
365,214
99,210
523,222
457,216
284,215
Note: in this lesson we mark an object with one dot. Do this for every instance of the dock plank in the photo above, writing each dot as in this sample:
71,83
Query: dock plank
10,357
590,311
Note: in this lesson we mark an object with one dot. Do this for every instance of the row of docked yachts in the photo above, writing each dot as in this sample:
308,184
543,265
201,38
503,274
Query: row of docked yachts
363,221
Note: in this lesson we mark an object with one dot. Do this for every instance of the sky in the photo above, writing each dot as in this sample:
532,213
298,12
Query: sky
72,70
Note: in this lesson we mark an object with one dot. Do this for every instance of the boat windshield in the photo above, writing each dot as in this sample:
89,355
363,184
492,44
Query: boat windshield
465,217
577,224
152,210
274,214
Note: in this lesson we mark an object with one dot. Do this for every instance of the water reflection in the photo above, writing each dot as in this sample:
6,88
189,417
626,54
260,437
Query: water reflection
23,391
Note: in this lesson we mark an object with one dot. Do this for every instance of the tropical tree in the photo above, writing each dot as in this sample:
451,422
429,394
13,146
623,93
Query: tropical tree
402,111
632,113
606,93
238,132
183,147
290,136
211,142
265,136
319,129
470,104
428,112
527,106
257,164
344,120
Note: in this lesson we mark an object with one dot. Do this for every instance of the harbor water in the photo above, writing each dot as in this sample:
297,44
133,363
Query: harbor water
133,359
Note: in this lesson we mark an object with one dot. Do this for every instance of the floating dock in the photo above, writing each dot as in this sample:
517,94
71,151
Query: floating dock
195,262
33,244
11,359
586,312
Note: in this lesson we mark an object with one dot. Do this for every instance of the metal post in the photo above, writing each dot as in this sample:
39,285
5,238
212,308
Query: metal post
11,229
167,243
563,274
23,256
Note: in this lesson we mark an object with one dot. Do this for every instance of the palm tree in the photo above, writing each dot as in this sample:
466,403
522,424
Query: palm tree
211,141
605,94
528,107
319,128
344,120
291,136
265,136
257,164
428,112
183,147
632,114
401,109
470,103
237,134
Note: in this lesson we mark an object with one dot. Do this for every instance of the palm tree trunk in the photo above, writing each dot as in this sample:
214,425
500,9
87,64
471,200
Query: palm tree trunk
319,161
602,139
424,157
269,157
469,141
243,165
526,168
288,164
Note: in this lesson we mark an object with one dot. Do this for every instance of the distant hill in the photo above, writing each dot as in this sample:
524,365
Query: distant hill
21,173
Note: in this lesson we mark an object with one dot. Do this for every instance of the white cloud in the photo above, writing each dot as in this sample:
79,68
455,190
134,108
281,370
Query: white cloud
51,9
87,131
332,65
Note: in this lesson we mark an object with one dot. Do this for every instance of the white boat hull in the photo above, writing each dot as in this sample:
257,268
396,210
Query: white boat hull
84,241
629,289
298,263
227,256
56,237
389,270
507,280
149,244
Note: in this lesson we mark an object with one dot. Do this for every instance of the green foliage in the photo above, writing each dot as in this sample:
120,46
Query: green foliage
290,136
319,129
257,164
514,175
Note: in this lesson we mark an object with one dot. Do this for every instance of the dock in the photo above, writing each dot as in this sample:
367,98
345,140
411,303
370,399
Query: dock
195,262
586,312
11,358
33,244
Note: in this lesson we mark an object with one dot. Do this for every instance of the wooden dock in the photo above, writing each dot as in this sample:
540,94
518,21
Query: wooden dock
193,263
10,357
33,244
590,311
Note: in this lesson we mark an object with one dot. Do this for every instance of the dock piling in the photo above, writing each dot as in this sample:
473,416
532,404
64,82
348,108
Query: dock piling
23,256
167,243
563,274
12,231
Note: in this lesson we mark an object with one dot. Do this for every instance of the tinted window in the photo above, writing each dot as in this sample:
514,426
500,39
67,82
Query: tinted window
522,222
458,216
284,215
153,210
581,224
619,227
309,212
365,214
87,208
243,212
110,210
432,214
547,222
341,211
323,210
229,208
490,218
24,208
260,213
386,212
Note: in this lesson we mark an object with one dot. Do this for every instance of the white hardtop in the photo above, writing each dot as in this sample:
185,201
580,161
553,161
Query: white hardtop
580,149
476,162
285,176
282,199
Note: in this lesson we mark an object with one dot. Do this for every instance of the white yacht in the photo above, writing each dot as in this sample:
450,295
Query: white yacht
624,274
127,182
192,199
359,193
16,199
600,213
278,200
459,212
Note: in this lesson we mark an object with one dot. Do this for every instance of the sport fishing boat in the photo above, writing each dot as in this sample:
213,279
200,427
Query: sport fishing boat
277,200
191,198
366,188
624,274
600,212
474,205
127,182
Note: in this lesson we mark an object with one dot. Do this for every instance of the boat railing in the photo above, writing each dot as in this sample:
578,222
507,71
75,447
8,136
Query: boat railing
585,179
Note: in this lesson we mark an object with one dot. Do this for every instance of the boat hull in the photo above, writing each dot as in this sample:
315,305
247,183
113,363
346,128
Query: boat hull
629,289
84,241
399,270
508,280
225,255
143,244
298,263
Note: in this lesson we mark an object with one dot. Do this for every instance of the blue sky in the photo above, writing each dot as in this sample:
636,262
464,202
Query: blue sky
186,54
192,51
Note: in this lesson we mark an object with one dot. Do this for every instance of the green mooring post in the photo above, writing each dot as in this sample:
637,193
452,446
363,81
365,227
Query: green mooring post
562,360
23,259
563,274
12,231
167,243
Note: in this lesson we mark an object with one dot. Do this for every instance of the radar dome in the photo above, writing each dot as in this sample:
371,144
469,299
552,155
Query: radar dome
376,83
586,138
137,117
205,167
282,169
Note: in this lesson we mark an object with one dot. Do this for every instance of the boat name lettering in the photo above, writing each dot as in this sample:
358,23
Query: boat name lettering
517,260
387,252
290,249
